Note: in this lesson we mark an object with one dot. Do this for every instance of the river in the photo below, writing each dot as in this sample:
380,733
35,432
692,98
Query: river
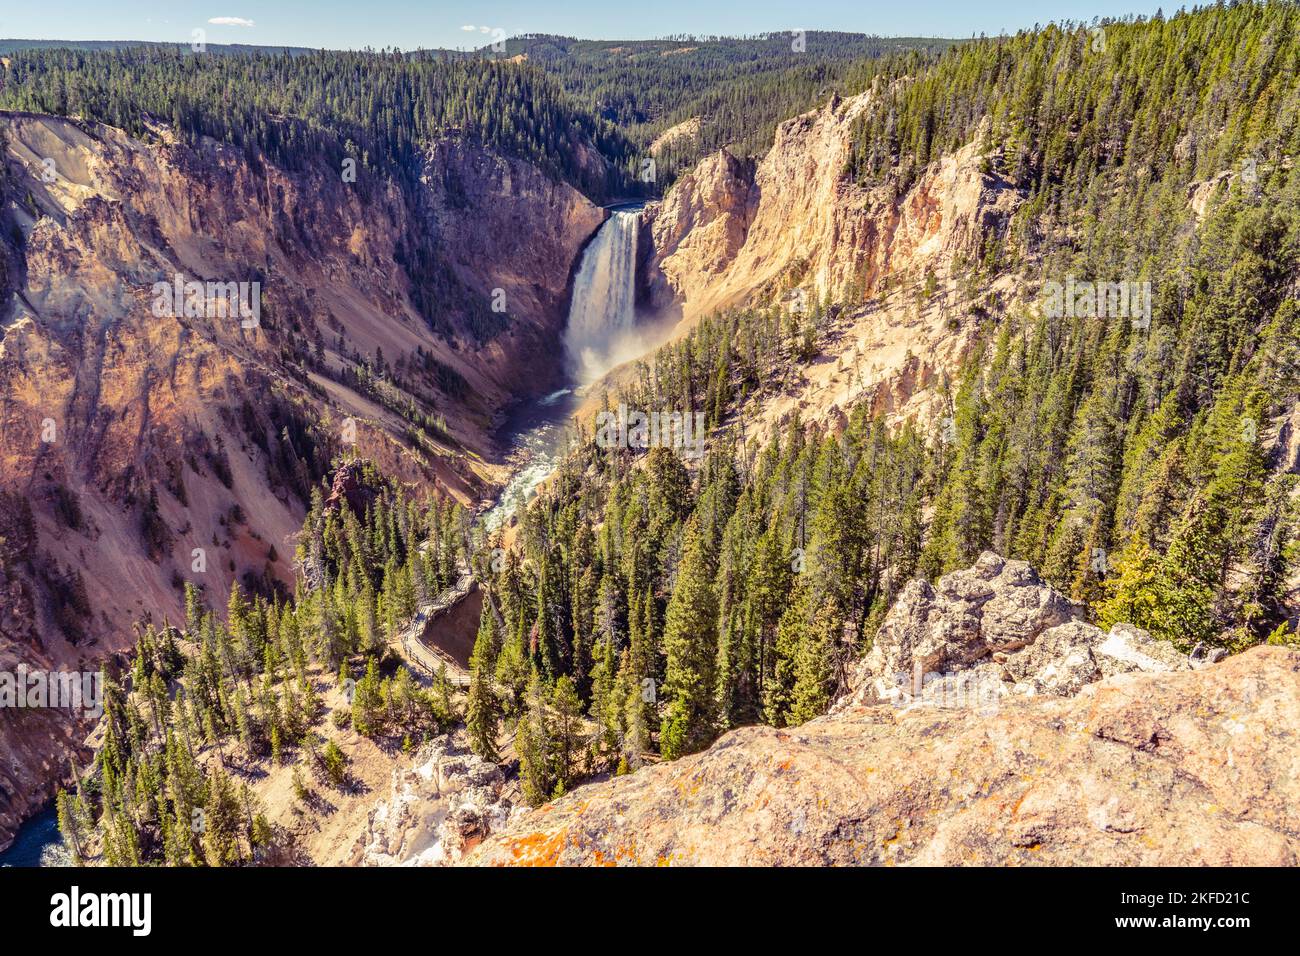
538,435
38,843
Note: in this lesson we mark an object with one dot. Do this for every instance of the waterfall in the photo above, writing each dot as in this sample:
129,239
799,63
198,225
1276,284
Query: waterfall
601,332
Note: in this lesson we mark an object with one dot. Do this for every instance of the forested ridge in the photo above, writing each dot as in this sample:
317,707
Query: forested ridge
738,87
538,97
379,109
1182,97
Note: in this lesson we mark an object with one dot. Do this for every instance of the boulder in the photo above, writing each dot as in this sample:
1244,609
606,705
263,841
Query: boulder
994,608
1128,648
436,811
1059,662
1066,658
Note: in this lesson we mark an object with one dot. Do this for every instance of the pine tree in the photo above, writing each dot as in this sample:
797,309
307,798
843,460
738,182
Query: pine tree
793,633
690,640
606,705
367,701
221,821
512,672
482,717
69,827
815,667
568,720
335,763
533,744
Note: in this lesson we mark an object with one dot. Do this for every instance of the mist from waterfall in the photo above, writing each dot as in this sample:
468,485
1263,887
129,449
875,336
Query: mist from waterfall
602,314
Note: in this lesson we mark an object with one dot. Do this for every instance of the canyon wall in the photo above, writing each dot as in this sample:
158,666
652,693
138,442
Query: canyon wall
142,447
793,230
728,233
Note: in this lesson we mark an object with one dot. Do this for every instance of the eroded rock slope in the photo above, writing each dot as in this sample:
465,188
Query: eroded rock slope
133,437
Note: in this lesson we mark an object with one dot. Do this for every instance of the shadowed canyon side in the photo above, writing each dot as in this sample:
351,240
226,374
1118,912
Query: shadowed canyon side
141,447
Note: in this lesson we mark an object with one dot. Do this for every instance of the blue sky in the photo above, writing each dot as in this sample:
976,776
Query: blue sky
440,23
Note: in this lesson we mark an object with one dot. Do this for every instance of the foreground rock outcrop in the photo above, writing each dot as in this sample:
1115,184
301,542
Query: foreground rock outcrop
436,811
992,630
1136,757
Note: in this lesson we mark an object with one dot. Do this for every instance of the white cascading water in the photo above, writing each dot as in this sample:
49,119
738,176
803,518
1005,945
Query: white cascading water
600,334
601,330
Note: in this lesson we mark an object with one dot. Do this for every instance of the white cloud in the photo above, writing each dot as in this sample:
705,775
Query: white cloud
470,28
231,22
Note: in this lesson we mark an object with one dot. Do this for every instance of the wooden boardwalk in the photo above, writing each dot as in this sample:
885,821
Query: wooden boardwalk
423,655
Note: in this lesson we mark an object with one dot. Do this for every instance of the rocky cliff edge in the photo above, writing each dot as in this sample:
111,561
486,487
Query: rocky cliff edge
987,726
